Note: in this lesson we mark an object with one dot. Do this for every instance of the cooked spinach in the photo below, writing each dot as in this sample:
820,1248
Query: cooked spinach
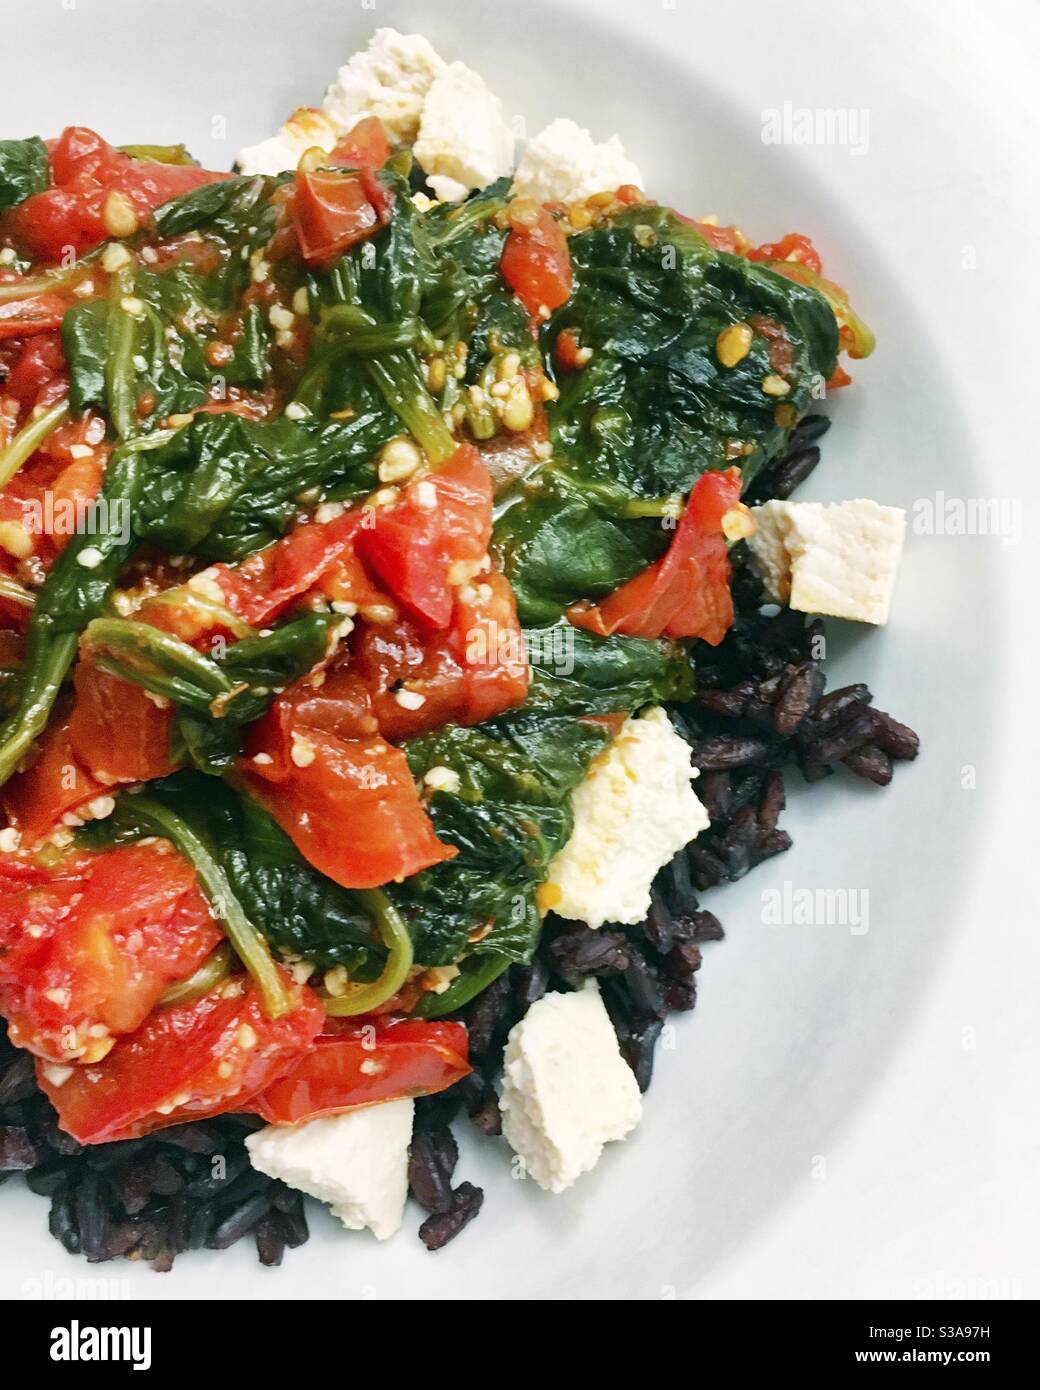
215,696
74,592
159,349
24,170
654,407
368,327
224,486
556,547
292,906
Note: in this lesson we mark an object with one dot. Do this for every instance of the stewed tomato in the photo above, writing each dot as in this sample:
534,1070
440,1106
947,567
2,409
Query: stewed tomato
36,313
364,146
536,263
425,544
349,805
118,731
86,952
56,784
362,1061
186,1062
685,593
37,367
333,209
317,556
95,188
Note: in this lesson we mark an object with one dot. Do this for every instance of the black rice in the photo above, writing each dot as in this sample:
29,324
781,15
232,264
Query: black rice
146,1199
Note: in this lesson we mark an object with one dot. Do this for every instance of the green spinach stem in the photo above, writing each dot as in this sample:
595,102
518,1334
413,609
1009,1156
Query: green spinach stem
250,946
362,999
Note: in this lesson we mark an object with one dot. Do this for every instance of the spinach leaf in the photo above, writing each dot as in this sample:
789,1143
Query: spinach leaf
508,819
161,355
557,547
161,348
576,672
24,170
84,337
225,208
464,296
655,407
224,486
274,890
368,327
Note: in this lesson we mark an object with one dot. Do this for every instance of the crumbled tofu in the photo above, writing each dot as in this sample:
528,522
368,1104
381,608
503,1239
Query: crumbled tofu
839,559
304,129
357,1162
632,813
567,1090
390,79
464,141
563,164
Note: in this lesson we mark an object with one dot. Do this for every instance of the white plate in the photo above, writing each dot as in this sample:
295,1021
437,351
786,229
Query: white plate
795,1024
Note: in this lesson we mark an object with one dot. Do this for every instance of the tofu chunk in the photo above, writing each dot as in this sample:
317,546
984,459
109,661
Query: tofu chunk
567,1090
632,813
840,559
303,130
389,79
563,164
464,142
356,1162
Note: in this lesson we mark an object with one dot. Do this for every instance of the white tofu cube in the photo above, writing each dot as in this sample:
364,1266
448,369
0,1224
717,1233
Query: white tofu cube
389,79
563,164
840,559
567,1090
632,813
356,1162
305,129
464,142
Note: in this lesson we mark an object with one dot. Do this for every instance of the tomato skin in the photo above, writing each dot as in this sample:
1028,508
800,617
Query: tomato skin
56,783
536,264
566,351
316,555
686,592
365,146
136,923
793,247
384,657
474,671
361,783
84,170
71,493
37,313
34,904
116,730
413,549
39,363
332,211
365,1061
488,640
193,1060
